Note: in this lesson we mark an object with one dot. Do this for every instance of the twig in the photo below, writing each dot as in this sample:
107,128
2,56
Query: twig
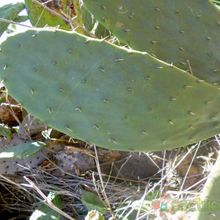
190,165
101,181
52,11
14,22
16,118
48,202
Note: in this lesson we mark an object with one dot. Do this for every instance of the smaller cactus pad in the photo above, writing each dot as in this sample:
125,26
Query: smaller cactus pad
10,13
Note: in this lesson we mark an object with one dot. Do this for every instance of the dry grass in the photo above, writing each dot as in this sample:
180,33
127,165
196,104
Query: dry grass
122,198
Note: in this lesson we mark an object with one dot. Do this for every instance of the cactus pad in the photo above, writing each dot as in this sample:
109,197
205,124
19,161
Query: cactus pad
106,95
210,198
185,33
40,16
9,12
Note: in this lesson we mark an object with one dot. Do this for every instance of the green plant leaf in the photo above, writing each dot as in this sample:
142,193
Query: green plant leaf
22,151
5,131
93,202
44,212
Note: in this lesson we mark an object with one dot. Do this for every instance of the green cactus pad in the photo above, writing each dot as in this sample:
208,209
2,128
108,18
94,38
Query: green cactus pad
106,95
185,33
40,16
9,12
209,205
90,25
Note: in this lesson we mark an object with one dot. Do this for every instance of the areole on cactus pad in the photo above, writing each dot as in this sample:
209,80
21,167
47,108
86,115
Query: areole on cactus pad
106,95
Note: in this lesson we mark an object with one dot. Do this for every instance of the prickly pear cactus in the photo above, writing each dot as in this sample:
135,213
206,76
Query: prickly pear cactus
103,94
64,14
40,15
185,33
9,12
210,201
